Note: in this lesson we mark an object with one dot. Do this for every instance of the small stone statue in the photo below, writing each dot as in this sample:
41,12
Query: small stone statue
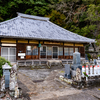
12,82
16,91
78,74
3,83
14,67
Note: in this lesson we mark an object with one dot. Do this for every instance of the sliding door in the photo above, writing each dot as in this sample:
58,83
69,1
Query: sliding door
9,53
55,52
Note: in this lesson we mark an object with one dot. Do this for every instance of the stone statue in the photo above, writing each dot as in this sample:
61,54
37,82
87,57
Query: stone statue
3,83
78,74
13,77
16,91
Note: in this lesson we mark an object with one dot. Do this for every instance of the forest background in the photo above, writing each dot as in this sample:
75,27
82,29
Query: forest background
79,16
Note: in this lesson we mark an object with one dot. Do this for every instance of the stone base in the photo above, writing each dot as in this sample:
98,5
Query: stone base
75,66
69,81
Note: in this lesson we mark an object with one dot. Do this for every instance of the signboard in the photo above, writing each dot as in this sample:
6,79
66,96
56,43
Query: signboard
21,54
22,57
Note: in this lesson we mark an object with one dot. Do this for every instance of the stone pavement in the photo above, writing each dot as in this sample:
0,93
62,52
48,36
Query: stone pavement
78,96
26,81
51,89
36,93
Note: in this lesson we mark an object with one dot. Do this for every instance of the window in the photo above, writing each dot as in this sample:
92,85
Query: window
34,50
31,50
43,52
76,49
71,51
55,52
66,53
28,50
9,53
49,51
60,51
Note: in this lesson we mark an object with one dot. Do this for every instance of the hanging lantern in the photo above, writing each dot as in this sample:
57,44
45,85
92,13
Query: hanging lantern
39,45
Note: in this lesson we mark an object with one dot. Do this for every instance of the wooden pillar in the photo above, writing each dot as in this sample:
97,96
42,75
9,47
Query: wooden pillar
83,51
74,47
16,49
28,41
39,52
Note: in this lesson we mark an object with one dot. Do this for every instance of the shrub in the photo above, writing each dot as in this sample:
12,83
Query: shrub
2,62
89,56
98,55
85,74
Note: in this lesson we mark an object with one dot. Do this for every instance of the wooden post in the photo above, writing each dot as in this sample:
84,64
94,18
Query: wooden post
74,47
84,51
16,49
28,41
39,52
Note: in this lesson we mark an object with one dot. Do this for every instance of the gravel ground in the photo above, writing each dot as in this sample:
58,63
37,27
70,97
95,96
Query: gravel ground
49,87
38,74
42,84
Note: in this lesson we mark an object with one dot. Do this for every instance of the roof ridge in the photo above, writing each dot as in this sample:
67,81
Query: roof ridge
33,17
8,20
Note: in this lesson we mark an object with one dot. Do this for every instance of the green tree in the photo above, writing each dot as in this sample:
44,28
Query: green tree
57,18
93,13
2,62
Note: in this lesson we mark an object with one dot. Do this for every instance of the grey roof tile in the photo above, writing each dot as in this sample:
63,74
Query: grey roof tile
34,27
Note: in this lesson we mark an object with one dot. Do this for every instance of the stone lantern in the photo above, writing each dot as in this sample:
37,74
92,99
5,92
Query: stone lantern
91,48
6,73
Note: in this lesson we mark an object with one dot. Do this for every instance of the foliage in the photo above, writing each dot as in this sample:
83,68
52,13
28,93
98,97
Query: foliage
99,55
98,42
85,74
88,29
89,56
57,18
93,13
2,62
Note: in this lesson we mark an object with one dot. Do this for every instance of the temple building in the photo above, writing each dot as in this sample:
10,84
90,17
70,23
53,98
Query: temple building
29,37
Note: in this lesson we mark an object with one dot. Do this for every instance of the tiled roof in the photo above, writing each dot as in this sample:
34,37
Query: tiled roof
34,27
